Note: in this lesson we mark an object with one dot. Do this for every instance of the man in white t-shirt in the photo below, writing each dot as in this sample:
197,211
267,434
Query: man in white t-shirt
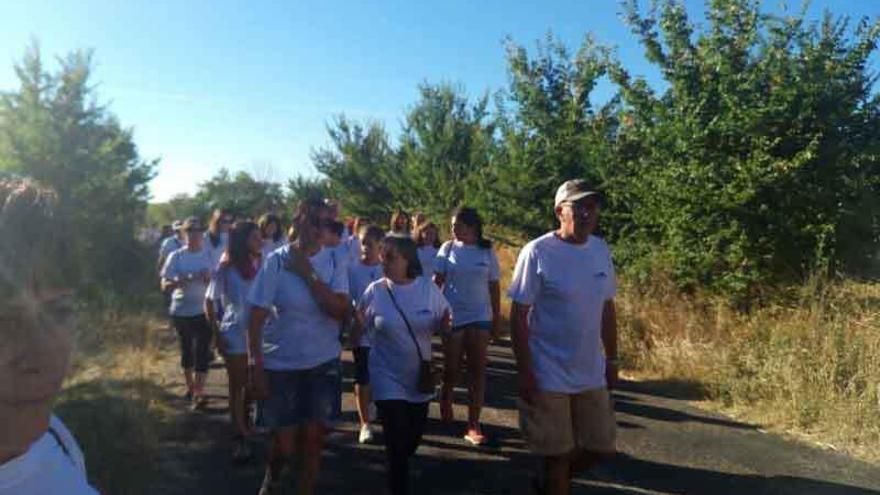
564,330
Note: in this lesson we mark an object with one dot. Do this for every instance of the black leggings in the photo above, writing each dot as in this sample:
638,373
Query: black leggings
194,336
403,424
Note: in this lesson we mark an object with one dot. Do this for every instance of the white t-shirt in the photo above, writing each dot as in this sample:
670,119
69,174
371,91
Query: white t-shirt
566,286
270,245
169,245
394,362
46,469
468,270
360,276
231,290
427,254
302,335
216,252
189,299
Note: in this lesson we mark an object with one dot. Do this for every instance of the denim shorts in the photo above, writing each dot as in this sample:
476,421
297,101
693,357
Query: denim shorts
479,325
298,397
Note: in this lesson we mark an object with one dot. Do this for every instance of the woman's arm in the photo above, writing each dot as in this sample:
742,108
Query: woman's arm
495,296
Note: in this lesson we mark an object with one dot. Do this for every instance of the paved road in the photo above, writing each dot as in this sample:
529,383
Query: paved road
667,447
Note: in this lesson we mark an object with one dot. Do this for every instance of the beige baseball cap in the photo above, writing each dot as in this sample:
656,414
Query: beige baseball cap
573,190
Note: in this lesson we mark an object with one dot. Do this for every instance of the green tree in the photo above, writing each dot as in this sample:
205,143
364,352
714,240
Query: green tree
362,168
53,129
242,194
550,133
445,148
759,162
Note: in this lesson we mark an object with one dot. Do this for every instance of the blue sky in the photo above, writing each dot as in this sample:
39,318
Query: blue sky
251,85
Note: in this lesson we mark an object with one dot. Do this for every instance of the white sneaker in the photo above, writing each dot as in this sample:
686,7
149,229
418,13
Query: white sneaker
366,435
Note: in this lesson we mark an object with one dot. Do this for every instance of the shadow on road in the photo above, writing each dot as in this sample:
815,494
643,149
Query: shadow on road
445,464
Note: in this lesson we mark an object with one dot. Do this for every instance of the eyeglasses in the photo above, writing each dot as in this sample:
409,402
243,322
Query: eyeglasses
581,207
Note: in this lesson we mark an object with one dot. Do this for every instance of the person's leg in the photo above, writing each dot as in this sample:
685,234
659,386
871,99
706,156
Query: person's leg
311,438
362,384
202,336
395,427
452,350
281,448
595,429
187,361
417,417
236,369
557,475
547,427
476,346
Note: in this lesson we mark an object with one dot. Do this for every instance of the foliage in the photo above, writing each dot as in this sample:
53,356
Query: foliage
53,129
756,163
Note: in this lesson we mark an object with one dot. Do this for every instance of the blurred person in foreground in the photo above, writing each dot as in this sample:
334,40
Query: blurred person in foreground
38,455
564,330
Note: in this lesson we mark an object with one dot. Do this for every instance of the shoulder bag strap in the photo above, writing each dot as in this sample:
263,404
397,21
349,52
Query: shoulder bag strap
405,320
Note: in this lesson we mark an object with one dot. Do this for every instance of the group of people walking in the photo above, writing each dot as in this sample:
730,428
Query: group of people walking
280,307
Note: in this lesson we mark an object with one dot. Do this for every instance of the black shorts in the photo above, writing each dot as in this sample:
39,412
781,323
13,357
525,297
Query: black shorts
361,365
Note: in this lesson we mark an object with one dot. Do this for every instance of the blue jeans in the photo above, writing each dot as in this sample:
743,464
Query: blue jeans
298,397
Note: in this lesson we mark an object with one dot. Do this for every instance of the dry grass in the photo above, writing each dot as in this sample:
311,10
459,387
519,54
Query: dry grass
810,367
115,399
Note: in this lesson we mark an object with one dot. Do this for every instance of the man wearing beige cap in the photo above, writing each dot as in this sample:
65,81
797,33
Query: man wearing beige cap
564,331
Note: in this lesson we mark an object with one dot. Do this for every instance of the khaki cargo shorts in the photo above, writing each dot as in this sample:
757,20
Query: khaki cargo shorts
558,423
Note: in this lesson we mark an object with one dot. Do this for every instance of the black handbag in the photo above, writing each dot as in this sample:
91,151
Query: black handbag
427,383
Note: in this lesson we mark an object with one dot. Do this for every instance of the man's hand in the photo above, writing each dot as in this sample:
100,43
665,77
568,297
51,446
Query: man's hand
611,373
257,382
299,263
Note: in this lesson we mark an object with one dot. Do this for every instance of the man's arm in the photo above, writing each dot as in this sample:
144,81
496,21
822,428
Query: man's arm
609,341
519,333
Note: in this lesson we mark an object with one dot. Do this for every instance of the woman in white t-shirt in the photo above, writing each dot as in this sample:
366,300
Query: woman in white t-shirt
295,371
400,312
187,273
466,268
272,234
229,286
427,237
38,455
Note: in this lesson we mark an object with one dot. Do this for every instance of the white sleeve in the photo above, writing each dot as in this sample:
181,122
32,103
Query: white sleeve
215,292
494,269
366,304
441,261
170,270
526,284
339,281
610,280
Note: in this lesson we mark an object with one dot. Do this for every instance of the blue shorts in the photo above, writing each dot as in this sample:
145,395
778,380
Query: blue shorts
479,325
298,397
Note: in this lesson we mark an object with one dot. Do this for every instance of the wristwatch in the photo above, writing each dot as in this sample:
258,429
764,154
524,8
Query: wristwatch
313,277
